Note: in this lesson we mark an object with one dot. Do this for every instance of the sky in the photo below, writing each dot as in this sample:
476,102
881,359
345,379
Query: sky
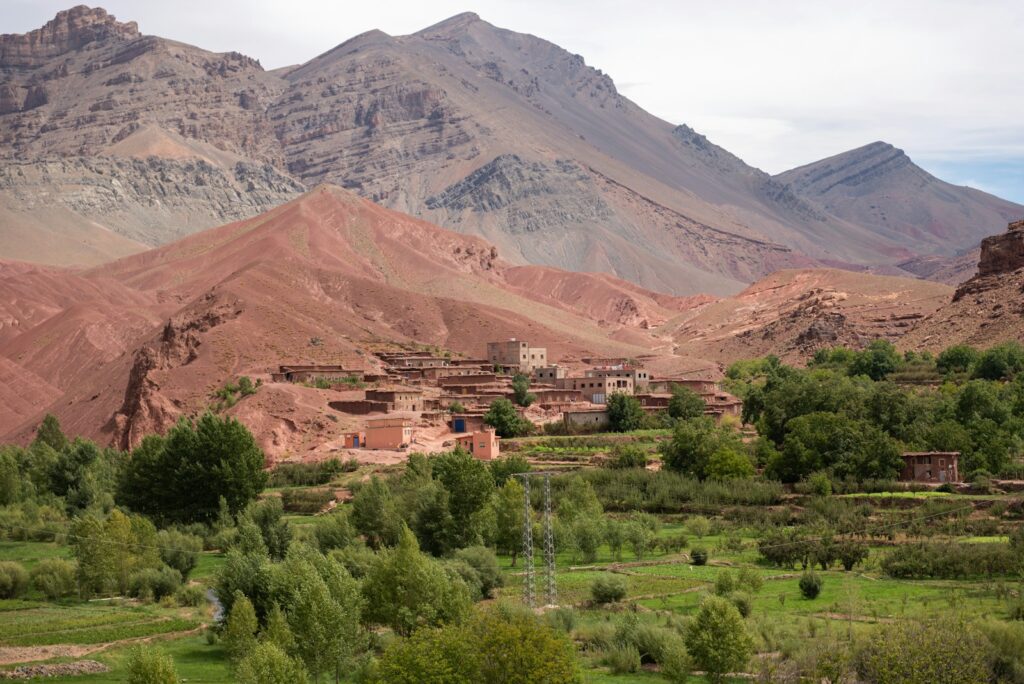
779,83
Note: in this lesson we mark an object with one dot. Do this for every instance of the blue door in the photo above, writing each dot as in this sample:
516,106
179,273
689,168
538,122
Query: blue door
355,441
459,424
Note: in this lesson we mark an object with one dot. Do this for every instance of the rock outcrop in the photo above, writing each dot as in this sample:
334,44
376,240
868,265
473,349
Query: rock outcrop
70,30
1003,253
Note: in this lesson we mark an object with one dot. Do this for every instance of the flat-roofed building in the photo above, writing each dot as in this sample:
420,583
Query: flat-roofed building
482,444
931,466
388,433
597,390
638,375
593,419
517,354
549,373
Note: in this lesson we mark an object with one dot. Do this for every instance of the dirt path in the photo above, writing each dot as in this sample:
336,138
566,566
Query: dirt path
11,655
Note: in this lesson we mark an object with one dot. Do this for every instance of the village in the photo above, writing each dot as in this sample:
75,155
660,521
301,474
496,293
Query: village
433,400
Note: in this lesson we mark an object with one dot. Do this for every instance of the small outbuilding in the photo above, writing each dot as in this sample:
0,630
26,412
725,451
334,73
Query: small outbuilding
931,466
388,433
482,444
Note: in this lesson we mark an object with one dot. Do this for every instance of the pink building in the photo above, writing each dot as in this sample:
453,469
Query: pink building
482,444
388,433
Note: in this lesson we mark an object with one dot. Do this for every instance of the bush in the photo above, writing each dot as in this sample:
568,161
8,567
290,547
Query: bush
191,595
699,526
750,580
725,584
306,501
623,659
608,589
810,585
13,580
305,474
179,550
744,604
699,555
153,583
485,563
950,561
628,456
851,553
54,578
148,665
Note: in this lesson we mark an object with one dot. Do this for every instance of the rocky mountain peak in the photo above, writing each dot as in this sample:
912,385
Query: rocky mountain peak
450,26
69,30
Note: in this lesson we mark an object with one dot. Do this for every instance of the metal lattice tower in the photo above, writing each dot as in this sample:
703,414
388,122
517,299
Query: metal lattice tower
549,544
528,587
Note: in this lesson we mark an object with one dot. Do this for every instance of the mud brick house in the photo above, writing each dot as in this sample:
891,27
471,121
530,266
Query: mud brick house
481,444
701,387
297,373
467,422
388,433
399,399
722,404
355,440
549,373
516,354
596,390
654,400
639,376
931,466
593,419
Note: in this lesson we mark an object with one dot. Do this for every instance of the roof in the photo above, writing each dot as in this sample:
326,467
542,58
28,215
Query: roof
911,454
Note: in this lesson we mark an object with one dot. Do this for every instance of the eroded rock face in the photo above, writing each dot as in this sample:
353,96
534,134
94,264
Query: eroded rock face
70,30
1003,253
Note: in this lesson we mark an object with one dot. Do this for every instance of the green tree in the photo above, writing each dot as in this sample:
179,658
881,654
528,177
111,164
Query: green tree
277,631
878,360
179,550
521,390
624,413
506,467
374,514
239,635
405,589
578,499
506,421
469,485
149,665
430,656
508,510
181,478
268,515
1002,361
50,434
718,640
266,663
334,530
850,448
729,463
693,444
10,478
326,630
959,358
685,403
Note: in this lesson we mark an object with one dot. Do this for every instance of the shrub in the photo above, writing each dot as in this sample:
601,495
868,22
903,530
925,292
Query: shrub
13,579
699,526
699,555
628,456
943,650
744,604
305,474
306,501
622,659
152,583
725,583
851,553
608,589
810,584
192,595
54,578
148,665
179,550
717,638
485,563
949,561
750,580
819,484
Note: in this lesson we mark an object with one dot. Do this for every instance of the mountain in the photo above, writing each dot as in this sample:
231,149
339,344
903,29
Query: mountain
473,127
986,309
879,187
126,348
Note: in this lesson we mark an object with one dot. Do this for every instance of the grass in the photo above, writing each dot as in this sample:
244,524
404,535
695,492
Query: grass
87,623
29,553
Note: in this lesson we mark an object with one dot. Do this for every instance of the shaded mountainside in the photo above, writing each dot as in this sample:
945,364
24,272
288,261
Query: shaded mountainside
878,186
476,128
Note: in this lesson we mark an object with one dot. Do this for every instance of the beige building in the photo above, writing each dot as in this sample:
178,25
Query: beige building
596,390
517,354
388,433
549,374
586,419
638,375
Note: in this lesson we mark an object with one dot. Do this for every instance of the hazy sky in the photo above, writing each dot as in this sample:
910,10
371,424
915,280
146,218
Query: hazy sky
779,83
